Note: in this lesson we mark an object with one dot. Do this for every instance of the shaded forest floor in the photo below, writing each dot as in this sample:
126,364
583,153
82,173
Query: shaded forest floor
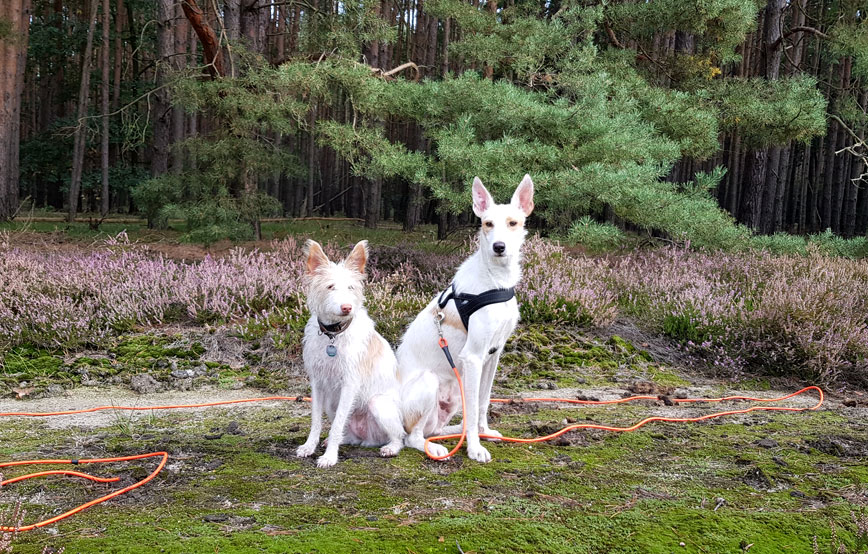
762,482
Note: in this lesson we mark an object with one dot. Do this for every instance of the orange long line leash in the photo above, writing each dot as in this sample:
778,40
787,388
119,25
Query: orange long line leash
164,456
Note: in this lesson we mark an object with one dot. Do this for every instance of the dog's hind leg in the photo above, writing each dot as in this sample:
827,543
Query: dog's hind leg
420,411
385,412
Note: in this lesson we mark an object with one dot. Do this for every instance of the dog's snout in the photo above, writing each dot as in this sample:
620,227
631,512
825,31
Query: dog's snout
346,308
499,247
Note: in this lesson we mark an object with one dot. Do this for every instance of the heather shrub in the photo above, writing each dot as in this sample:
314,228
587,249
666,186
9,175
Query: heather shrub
63,300
802,315
557,287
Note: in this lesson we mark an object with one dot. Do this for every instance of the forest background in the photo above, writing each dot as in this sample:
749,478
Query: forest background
726,123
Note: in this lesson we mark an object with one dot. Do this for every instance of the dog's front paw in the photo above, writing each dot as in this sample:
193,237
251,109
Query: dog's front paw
390,450
437,450
492,435
327,460
305,450
478,453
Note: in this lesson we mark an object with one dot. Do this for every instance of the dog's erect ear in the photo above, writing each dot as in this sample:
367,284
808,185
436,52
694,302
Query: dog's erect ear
316,258
482,200
522,198
358,257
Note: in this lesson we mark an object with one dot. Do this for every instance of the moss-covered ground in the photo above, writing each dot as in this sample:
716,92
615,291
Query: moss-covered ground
769,482
759,483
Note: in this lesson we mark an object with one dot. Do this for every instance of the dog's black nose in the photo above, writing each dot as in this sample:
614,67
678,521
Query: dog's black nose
499,247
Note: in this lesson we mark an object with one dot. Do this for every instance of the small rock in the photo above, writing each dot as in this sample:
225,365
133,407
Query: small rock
234,428
779,461
183,373
767,443
55,390
144,383
183,384
249,379
797,494
237,385
850,402
200,370
216,518
173,364
372,518
161,363
681,544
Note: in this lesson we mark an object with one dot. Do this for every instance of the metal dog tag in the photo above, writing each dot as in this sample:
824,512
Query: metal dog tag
331,350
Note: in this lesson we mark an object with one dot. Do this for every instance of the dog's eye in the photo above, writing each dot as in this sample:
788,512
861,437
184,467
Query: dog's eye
513,223
352,288
331,287
489,224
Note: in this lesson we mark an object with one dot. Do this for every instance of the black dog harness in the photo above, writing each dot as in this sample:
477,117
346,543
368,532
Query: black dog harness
467,304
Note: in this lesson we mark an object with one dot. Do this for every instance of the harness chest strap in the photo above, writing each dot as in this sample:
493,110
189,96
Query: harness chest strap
468,304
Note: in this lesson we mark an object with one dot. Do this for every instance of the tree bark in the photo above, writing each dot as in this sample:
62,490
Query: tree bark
211,51
80,138
13,57
162,116
179,63
106,63
753,212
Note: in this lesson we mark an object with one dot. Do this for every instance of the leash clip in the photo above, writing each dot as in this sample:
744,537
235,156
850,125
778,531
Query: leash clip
438,319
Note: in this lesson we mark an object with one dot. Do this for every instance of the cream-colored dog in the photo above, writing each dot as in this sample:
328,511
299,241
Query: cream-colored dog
352,369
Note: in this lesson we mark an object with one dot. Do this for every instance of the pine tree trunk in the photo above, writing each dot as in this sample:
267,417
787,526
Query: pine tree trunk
754,214
488,71
80,138
232,24
772,183
751,203
179,62
311,162
13,57
783,192
106,62
119,55
162,115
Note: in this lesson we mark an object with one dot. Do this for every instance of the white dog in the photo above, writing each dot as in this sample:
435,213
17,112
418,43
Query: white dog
352,369
482,287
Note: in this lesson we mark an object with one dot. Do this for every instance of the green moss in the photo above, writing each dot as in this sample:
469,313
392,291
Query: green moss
28,362
142,349
639,492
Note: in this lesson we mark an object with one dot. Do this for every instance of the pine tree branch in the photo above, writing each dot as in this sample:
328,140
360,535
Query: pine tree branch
613,38
210,45
398,69
800,29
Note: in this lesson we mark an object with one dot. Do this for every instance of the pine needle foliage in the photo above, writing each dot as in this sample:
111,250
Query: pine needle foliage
588,120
